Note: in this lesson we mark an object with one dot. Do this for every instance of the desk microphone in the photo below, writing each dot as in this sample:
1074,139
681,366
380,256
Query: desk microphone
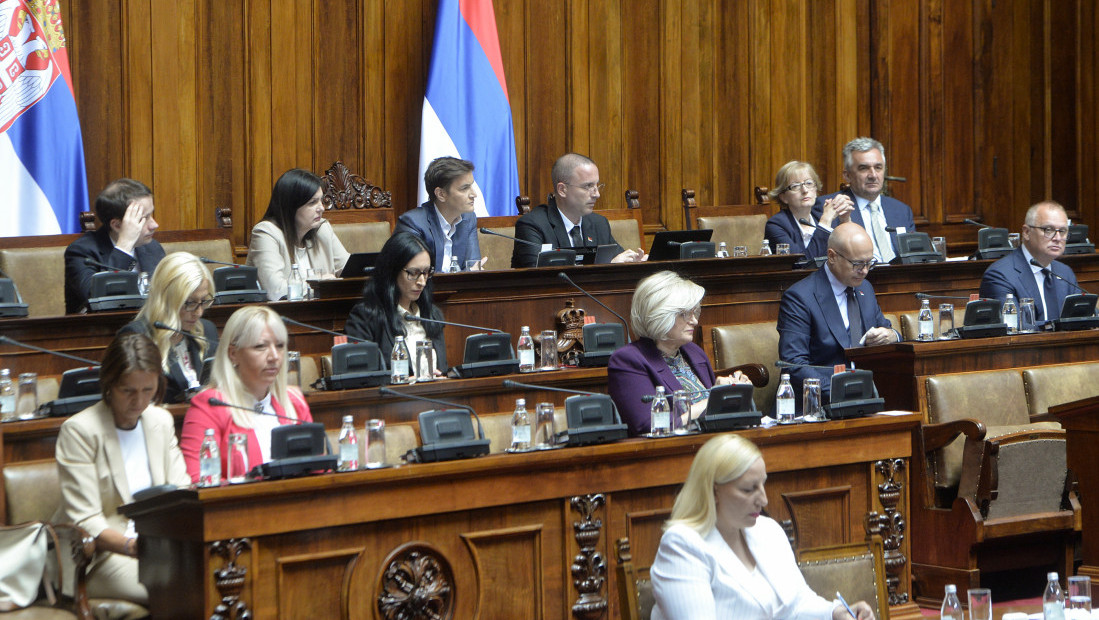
321,330
564,276
210,261
82,360
499,234
258,410
159,325
423,319
91,262
976,223
927,296
480,429
1049,270
508,383
648,398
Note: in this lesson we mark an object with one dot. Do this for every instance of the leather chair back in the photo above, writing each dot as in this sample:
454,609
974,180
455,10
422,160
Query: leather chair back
626,232
734,230
39,273
497,249
216,249
1047,386
32,491
749,343
362,236
1031,478
856,570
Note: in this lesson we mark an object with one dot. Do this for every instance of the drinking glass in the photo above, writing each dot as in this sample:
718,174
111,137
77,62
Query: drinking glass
549,350
425,360
293,368
740,251
782,248
310,274
238,458
375,443
980,604
545,435
1013,240
143,284
681,412
1078,599
810,400
1026,316
939,243
26,396
946,321
473,265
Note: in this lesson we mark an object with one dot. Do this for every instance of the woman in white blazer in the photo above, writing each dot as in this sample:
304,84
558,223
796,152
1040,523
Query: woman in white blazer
719,558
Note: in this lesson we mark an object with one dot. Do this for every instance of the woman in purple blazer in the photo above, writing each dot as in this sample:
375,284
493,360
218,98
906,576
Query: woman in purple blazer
664,314
796,188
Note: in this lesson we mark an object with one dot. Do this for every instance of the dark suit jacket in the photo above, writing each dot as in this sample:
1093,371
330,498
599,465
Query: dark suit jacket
98,247
1012,274
637,368
897,214
361,325
783,228
177,381
424,223
811,331
543,225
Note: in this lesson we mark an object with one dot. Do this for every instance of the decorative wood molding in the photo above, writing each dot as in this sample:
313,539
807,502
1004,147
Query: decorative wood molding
890,525
522,204
343,189
229,580
223,217
633,199
589,567
417,582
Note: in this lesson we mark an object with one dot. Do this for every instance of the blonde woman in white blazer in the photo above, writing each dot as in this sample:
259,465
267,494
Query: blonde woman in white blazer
720,558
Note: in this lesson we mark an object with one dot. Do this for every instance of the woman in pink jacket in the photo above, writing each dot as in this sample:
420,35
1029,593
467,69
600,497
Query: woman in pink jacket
249,371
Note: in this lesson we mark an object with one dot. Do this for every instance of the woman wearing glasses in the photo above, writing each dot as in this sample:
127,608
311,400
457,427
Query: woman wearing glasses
664,314
180,291
400,285
796,188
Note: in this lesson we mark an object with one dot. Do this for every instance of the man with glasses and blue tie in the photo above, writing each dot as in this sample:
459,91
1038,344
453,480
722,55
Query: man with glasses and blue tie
1032,271
864,170
831,310
567,219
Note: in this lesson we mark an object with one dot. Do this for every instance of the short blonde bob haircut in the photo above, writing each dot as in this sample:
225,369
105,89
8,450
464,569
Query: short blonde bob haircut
177,277
243,330
720,460
657,300
787,172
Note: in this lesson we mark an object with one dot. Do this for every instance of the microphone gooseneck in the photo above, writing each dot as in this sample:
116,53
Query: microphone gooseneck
508,383
390,392
976,223
160,325
12,341
210,261
91,262
564,276
500,234
258,409
423,319
321,330
1049,270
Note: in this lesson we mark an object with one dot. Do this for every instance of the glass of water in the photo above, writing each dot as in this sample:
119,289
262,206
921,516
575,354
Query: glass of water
681,412
946,321
782,248
980,604
810,403
1078,601
375,443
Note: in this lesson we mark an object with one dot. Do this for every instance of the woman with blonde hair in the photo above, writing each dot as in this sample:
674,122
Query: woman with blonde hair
721,558
180,291
796,188
250,372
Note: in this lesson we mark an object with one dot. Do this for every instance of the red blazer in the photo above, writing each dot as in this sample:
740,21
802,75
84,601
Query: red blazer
201,416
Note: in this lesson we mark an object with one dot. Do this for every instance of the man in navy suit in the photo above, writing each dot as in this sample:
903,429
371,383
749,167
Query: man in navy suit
832,309
123,240
566,220
446,222
864,171
1043,241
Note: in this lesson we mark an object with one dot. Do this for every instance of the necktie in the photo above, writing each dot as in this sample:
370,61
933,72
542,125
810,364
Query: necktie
1053,309
854,318
577,238
881,238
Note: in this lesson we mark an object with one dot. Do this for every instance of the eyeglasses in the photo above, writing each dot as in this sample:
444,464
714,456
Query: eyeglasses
1049,232
861,264
804,185
589,187
687,315
416,274
191,306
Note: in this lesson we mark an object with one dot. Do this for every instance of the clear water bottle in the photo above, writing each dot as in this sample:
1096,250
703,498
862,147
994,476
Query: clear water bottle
784,400
520,426
927,324
209,461
7,397
660,418
1011,314
722,250
454,266
952,607
349,445
295,286
1053,599
399,361
765,249
526,350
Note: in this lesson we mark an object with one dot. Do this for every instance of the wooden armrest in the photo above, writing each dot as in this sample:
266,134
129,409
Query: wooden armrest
756,372
83,548
1044,417
936,436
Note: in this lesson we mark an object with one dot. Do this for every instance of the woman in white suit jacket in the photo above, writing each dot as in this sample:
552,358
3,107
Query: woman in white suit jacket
719,558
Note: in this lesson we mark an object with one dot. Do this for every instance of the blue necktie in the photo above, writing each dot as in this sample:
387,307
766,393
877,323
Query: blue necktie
1053,309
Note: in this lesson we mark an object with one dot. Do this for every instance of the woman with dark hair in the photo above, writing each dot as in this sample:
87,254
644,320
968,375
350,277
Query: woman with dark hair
294,232
111,450
401,284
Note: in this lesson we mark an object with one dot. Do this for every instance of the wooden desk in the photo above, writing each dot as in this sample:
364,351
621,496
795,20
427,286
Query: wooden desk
901,368
503,536
1081,423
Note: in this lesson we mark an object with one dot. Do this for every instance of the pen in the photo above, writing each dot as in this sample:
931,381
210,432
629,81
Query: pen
845,605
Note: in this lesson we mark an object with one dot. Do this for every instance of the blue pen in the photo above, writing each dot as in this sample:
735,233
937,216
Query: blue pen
845,605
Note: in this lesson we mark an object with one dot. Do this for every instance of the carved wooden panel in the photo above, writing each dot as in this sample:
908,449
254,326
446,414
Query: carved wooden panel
820,517
508,560
416,583
302,578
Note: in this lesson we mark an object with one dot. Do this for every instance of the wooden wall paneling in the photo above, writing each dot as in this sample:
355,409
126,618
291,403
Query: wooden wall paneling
734,102
930,46
409,30
374,92
1034,144
259,147
956,141
547,103
137,93
511,28
609,107
292,90
1088,97
1063,113
1022,45
579,57
789,29
699,110
336,54
657,107
844,85
761,89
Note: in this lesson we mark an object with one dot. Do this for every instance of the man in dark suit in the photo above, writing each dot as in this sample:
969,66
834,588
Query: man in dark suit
864,171
123,240
567,219
832,309
1043,241
446,222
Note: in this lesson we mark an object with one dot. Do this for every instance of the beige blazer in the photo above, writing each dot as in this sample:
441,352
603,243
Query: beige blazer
93,474
267,252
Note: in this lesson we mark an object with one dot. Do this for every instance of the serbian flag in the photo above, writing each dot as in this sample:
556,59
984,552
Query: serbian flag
43,183
466,109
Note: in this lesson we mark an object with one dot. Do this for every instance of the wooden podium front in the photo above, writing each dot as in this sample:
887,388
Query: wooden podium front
1081,423
502,536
